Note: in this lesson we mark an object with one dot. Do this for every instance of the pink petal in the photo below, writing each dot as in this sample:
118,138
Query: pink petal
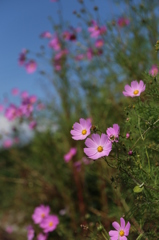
113,233
90,151
74,132
83,122
122,223
77,126
96,138
126,230
104,139
123,238
134,85
90,143
116,225
128,89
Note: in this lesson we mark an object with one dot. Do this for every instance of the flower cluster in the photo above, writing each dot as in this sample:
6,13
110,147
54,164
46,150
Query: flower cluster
97,146
30,65
122,22
47,222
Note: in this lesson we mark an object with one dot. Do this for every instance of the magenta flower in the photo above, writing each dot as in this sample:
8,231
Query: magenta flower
98,146
153,71
113,133
24,94
30,232
81,130
46,34
121,231
9,229
7,143
41,237
55,43
32,124
122,22
127,135
11,112
15,91
99,43
49,223
130,152
68,156
135,89
95,30
22,57
31,66
40,213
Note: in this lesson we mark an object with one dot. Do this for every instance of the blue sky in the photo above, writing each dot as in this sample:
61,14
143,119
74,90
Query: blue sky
21,23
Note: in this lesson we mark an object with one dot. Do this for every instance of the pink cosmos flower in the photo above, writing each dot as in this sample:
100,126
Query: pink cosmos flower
30,232
58,59
41,237
15,91
70,154
11,112
95,30
40,213
31,66
49,223
22,57
46,34
99,43
153,71
127,135
122,22
32,124
9,229
55,43
24,94
113,133
135,89
98,146
81,130
121,231
7,143
33,99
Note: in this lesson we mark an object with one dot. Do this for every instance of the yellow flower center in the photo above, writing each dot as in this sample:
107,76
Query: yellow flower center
50,224
121,233
84,131
100,149
136,92
43,215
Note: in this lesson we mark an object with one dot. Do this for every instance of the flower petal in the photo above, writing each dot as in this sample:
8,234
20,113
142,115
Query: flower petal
122,223
113,233
96,138
90,143
126,230
116,225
